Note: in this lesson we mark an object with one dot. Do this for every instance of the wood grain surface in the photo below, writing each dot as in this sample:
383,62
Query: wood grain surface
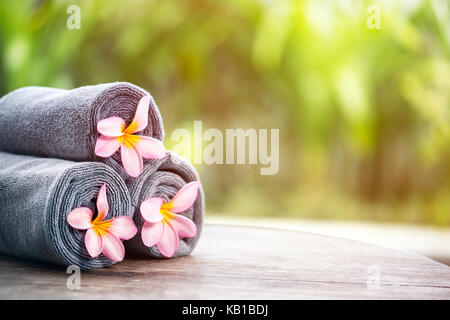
244,263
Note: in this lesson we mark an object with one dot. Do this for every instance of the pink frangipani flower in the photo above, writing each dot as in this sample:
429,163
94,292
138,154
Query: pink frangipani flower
103,236
115,134
164,225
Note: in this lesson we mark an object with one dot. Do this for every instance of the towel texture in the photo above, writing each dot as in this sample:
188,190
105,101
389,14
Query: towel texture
163,178
36,195
58,123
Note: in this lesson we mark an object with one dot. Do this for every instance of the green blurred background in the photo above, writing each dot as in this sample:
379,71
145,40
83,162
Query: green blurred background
364,115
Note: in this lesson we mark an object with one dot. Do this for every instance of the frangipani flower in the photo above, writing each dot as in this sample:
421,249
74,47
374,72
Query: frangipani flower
115,135
163,225
103,236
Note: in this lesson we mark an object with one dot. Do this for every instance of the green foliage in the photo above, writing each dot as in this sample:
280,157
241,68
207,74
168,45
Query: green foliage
364,115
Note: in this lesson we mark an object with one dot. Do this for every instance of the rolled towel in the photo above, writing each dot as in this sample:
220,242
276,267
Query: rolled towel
164,178
60,123
37,194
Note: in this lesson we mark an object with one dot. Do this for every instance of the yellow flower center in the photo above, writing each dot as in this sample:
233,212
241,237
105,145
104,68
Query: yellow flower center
99,225
165,209
129,130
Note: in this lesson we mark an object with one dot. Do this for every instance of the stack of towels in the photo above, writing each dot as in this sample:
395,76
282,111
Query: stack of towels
64,185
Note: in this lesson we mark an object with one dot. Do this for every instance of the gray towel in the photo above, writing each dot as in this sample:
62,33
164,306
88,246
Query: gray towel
163,178
36,194
58,123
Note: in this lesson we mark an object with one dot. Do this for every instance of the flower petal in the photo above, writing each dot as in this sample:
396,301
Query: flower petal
131,159
102,204
185,197
169,241
185,227
150,209
113,248
152,233
80,218
111,127
148,147
140,120
106,146
123,228
93,242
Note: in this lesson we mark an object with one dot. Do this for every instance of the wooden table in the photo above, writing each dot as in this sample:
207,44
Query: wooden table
245,263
